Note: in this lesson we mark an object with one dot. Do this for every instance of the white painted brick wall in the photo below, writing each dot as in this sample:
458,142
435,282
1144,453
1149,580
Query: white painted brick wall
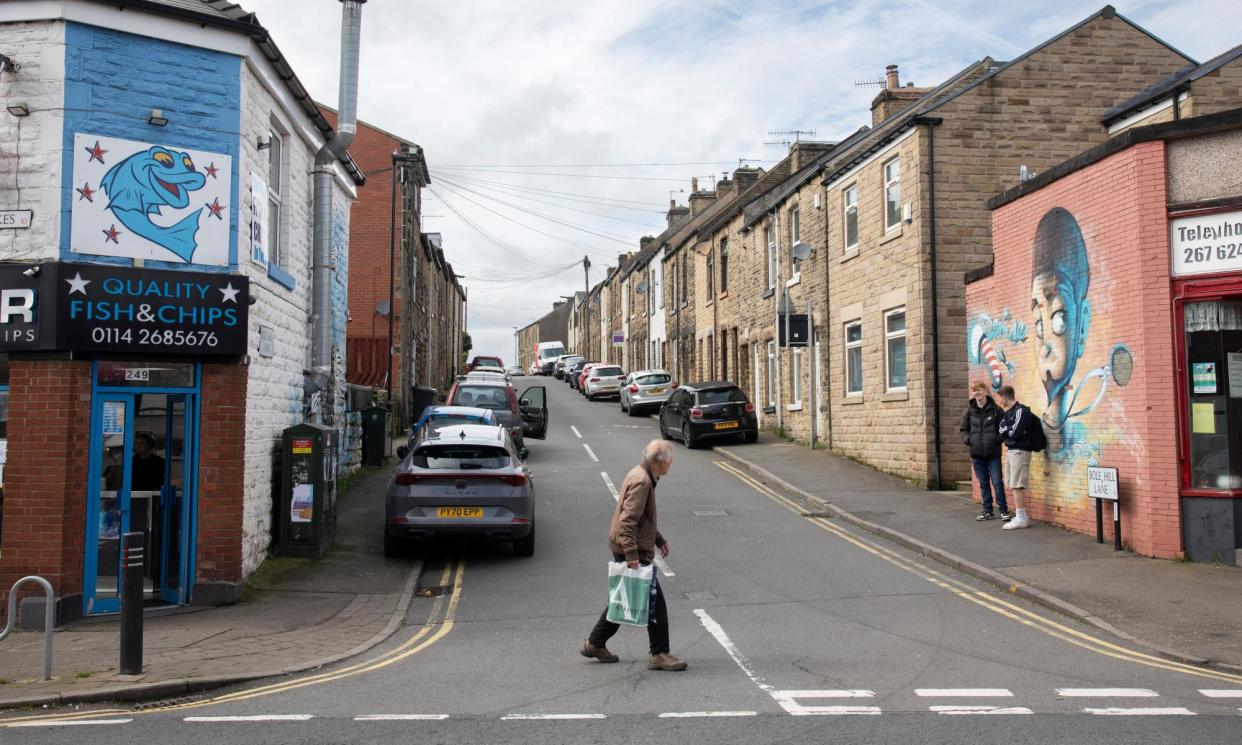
30,171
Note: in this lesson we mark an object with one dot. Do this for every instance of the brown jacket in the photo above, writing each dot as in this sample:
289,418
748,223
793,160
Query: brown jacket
633,533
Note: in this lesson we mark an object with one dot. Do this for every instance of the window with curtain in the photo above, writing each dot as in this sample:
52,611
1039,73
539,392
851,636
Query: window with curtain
853,359
895,350
892,194
1214,356
849,206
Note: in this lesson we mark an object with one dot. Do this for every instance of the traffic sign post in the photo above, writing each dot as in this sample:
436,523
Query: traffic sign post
1102,487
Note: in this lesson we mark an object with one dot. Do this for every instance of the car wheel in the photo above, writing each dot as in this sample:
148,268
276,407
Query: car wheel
631,411
691,441
621,402
664,432
525,546
394,547
751,437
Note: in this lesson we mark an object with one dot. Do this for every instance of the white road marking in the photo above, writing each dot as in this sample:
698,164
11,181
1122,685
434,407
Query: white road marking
254,718
546,717
1153,712
612,489
1221,692
590,452
807,711
70,723
981,710
695,714
731,649
576,432
964,692
1107,693
826,694
401,717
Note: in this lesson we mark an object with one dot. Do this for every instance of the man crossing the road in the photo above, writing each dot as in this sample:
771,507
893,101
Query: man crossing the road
634,538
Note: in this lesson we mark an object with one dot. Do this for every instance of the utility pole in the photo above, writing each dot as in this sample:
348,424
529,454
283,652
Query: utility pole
586,308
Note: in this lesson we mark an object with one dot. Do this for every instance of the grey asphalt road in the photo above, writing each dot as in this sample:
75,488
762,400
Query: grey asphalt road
795,629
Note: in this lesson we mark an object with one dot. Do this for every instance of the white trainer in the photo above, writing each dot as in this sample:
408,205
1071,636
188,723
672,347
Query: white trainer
1021,521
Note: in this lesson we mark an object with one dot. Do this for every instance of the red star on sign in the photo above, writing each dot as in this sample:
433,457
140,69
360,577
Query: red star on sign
211,170
86,192
216,208
110,235
97,152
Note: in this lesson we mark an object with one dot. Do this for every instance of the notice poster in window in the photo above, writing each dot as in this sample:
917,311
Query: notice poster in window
113,418
1203,377
1203,419
1235,374
302,505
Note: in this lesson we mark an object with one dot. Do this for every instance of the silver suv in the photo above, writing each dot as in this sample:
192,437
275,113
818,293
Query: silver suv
646,389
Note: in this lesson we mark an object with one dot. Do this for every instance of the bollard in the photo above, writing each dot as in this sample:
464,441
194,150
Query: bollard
132,552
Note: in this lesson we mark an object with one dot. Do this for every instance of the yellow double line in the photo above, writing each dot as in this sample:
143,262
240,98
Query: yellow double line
986,599
430,633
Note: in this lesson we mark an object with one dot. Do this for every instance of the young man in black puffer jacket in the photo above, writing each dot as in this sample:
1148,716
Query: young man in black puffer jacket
1022,434
980,429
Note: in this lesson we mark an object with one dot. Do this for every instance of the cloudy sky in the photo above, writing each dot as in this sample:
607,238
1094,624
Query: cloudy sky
556,130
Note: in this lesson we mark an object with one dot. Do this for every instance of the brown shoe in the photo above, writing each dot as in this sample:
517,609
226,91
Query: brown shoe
598,653
666,661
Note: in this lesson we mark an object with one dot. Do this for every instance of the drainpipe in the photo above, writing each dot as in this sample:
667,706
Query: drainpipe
322,269
828,369
931,122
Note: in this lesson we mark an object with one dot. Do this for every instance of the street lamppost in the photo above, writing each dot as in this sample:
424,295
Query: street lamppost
516,361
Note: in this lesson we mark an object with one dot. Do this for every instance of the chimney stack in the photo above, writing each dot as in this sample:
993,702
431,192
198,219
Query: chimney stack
694,184
893,98
890,78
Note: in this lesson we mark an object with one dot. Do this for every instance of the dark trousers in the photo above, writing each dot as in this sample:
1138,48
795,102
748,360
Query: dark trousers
988,473
657,623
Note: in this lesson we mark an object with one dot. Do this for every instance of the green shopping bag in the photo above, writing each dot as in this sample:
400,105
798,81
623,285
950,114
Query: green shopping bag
629,593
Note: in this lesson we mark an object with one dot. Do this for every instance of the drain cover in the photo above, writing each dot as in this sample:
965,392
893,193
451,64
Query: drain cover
699,595
710,513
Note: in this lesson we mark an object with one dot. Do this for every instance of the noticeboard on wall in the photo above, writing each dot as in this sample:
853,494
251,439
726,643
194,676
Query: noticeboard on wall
1206,244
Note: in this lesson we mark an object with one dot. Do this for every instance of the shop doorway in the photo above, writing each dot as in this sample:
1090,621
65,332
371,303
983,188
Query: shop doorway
143,452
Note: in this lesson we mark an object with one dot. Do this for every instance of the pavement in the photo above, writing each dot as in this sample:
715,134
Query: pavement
1183,611
296,615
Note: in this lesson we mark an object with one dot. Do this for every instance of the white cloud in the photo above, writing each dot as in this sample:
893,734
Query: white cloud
543,83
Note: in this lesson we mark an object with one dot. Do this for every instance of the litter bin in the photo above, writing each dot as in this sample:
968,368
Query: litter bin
422,397
308,491
374,436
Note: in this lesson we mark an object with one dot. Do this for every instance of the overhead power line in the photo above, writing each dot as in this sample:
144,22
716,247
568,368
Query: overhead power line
680,180
572,196
587,165
519,195
572,225
488,236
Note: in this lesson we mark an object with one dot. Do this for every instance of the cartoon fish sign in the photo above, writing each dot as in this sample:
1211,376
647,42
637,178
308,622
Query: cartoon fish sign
161,202
142,184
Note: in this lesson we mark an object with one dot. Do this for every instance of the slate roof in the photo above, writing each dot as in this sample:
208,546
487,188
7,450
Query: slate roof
723,210
1174,83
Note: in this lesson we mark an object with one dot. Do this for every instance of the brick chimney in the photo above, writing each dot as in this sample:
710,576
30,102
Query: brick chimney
700,200
802,154
723,187
893,98
676,214
745,177
645,241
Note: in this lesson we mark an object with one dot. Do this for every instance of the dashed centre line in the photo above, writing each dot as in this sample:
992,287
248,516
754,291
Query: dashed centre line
976,710
590,452
401,717
1106,693
549,717
71,723
1221,692
576,432
1141,712
254,718
698,714
963,692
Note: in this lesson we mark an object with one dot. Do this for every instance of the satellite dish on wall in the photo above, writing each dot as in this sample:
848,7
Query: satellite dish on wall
801,251
642,288
381,308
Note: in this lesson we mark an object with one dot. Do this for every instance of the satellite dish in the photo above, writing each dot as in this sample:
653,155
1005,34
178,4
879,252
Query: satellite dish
642,288
801,251
381,308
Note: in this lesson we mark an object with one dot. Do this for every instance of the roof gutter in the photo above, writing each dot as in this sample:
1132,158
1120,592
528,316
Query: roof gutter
323,271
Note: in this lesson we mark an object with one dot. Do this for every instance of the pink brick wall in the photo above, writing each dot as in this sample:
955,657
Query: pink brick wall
1114,286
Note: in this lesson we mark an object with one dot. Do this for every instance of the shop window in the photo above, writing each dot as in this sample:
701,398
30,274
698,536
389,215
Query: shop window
895,350
114,374
853,359
1213,358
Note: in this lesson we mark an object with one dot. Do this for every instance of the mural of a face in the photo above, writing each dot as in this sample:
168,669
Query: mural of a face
1060,312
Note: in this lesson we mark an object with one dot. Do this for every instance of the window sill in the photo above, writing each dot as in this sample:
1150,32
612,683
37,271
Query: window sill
891,234
853,399
769,293
896,396
852,254
723,295
769,409
794,407
796,279
283,278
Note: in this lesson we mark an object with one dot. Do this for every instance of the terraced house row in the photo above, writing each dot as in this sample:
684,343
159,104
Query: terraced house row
873,236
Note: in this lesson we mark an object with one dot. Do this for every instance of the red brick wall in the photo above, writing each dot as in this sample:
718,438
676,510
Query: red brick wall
45,476
221,488
1119,205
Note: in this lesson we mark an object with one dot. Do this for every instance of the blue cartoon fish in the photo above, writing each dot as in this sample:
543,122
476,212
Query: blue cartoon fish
140,185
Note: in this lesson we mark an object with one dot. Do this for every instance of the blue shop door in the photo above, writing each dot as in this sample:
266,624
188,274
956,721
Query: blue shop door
109,504
175,497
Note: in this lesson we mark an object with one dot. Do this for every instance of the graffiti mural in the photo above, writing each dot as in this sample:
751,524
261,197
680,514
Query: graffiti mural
150,201
1051,344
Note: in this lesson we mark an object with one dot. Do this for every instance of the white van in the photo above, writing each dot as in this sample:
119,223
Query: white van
546,353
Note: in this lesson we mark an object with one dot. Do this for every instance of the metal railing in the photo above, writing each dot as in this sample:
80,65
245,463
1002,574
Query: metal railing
49,613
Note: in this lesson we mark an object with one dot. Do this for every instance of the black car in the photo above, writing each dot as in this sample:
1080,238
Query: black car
573,371
702,411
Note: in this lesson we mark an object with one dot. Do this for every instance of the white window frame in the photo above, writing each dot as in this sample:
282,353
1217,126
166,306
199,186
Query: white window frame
849,212
795,234
795,376
769,236
892,193
277,157
724,265
711,274
771,387
889,338
852,347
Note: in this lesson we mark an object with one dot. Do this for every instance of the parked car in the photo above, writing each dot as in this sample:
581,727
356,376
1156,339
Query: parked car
527,414
466,480
482,361
558,366
515,371
581,374
485,374
435,418
546,354
604,380
701,411
645,390
573,371
571,364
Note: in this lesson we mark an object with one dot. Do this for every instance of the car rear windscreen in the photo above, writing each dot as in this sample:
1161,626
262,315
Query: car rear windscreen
483,396
722,396
488,362
460,457
653,379
440,423
551,352
608,372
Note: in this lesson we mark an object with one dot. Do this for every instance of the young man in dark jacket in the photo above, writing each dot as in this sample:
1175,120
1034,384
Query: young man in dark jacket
980,429
1016,429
